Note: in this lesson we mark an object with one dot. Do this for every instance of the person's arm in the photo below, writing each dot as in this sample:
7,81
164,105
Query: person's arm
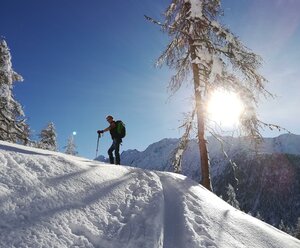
111,126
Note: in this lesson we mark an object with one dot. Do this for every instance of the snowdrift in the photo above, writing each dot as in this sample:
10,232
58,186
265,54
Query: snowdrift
49,199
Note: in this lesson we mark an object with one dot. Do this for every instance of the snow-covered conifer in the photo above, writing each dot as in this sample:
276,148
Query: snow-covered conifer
282,226
285,228
232,197
258,216
48,138
203,48
71,147
297,229
12,119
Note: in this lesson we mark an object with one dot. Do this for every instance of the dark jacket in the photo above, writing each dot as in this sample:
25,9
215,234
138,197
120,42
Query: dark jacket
113,130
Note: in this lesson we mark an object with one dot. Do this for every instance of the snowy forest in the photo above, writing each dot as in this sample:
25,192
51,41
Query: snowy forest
13,125
205,188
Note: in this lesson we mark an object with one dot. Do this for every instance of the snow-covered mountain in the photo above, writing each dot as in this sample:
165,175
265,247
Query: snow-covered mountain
50,199
159,155
269,179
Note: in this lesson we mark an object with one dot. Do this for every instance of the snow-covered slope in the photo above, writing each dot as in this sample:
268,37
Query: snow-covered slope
53,200
268,180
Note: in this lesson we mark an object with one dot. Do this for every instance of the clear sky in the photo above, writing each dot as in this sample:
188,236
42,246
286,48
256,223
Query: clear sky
82,60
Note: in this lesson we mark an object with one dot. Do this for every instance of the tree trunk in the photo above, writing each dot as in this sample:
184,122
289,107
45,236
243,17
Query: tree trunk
201,122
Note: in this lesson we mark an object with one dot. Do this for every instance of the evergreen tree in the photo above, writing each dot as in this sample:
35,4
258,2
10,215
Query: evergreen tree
258,216
281,226
13,127
200,46
71,147
48,138
285,228
232,197
297,230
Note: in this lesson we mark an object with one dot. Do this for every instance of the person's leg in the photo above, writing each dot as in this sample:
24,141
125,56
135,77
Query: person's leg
110,153
117,151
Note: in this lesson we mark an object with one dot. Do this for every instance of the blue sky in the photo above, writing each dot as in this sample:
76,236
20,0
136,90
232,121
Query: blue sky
82,60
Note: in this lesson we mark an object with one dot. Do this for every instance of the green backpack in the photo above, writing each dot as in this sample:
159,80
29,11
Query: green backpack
121,130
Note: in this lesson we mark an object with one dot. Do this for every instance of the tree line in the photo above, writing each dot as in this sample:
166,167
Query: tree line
13,124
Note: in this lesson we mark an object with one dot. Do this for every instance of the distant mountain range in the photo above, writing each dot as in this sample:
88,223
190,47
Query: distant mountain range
268,178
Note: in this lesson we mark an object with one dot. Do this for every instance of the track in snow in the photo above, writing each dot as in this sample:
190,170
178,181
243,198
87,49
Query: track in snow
182,218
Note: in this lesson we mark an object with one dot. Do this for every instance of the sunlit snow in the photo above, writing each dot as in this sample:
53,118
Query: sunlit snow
49,199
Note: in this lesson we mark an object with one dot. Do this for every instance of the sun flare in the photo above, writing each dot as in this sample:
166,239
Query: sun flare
225,108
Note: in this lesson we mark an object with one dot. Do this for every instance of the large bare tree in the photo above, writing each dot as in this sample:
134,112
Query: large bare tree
208,52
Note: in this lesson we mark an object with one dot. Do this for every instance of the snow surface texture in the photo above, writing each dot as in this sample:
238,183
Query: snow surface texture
50,199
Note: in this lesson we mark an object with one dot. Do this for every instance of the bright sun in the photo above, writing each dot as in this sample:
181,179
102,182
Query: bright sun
225,108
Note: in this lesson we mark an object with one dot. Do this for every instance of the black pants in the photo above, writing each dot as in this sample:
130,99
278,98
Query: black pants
114,147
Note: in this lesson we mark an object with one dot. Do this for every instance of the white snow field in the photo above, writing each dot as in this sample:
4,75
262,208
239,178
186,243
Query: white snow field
49,199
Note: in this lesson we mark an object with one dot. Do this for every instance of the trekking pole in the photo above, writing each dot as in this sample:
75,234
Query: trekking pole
99,135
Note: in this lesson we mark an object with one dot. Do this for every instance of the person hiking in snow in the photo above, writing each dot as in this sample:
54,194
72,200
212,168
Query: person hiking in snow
117,140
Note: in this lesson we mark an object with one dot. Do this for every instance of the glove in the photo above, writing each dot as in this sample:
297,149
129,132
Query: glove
100,131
